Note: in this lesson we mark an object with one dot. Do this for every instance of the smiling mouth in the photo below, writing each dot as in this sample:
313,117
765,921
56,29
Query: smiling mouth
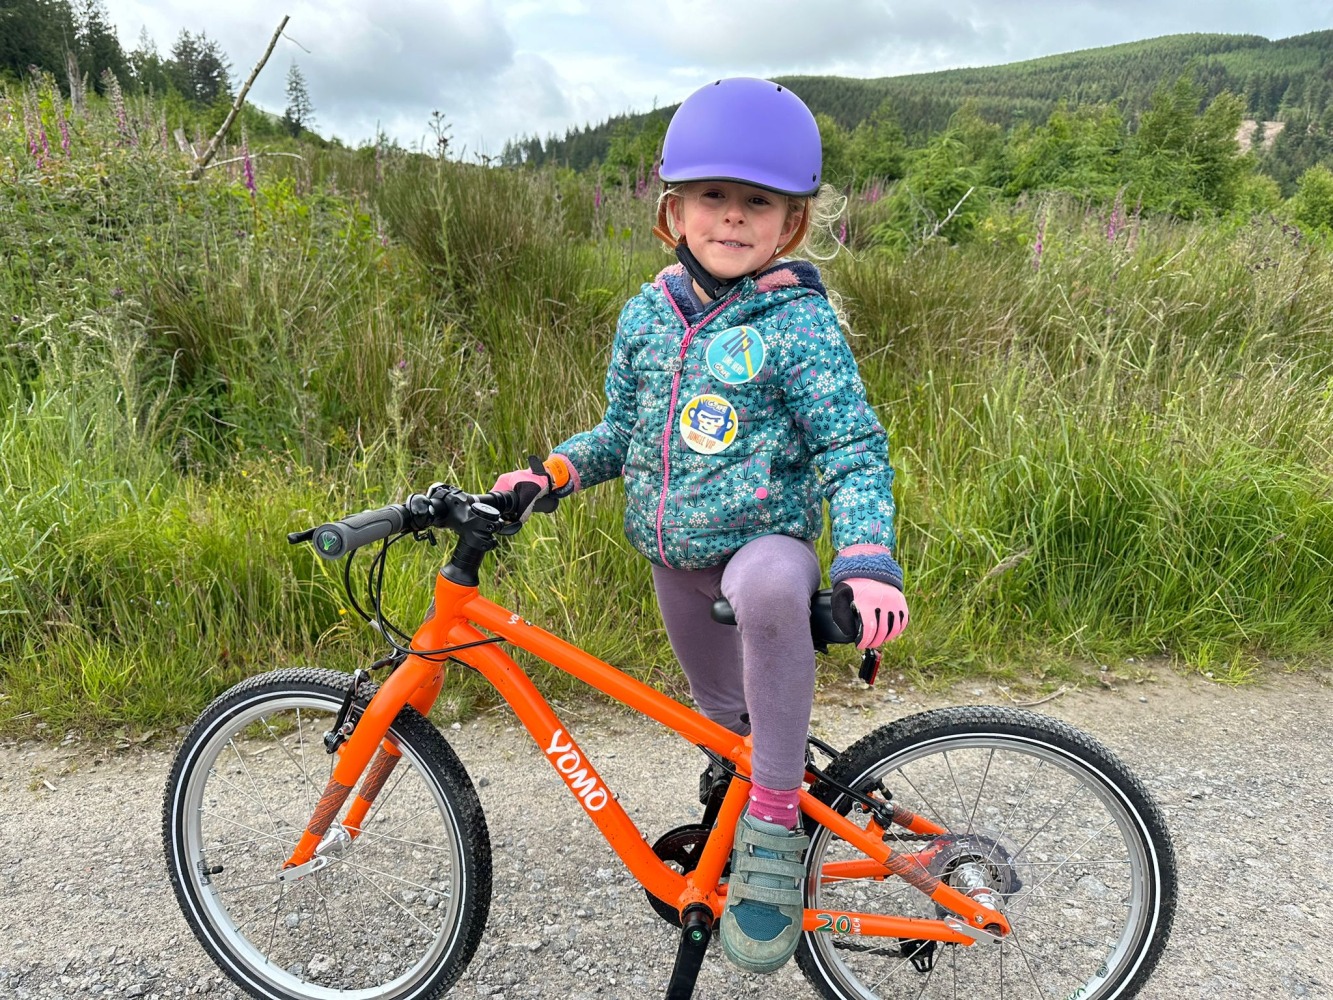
733,244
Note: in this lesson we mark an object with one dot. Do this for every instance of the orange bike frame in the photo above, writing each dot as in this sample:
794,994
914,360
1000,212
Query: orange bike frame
457,612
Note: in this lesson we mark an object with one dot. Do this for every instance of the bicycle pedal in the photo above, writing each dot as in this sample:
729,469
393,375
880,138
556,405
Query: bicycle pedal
713,783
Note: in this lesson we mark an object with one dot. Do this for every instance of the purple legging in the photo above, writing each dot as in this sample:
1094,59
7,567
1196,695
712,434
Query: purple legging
765,664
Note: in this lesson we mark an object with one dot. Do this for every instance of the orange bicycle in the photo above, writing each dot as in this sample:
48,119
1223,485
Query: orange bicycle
324,840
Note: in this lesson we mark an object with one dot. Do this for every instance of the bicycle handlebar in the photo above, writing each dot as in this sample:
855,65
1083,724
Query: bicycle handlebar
333,539
441,506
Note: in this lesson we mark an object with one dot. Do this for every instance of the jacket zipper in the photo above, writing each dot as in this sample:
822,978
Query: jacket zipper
690,331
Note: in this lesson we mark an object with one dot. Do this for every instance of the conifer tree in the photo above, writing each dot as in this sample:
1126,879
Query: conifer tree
34,33
300,114
199,68
96,45
147,67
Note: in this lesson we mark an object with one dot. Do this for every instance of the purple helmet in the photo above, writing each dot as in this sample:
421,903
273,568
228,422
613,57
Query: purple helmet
743,129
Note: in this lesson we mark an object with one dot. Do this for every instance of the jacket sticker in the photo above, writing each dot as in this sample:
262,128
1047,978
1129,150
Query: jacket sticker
736,355
708,424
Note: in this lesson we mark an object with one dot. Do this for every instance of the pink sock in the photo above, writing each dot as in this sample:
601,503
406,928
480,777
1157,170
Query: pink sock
774,806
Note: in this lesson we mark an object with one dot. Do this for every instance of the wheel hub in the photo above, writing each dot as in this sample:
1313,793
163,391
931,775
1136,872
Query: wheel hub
978,862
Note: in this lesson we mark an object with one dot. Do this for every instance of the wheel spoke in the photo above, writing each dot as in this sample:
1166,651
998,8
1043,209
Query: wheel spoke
371,870
254,787
1060,807
385,796
907,963
962,802
1027,963
260,835
981,787
1065,864
365,873
928,808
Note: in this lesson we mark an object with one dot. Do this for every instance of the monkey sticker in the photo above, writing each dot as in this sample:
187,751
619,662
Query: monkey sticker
708,424
736,355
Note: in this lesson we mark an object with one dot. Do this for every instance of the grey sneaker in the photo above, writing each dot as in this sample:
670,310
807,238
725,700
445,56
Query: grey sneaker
761,924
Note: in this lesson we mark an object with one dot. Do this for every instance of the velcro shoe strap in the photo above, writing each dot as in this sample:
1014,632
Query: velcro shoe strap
763,894
771,866
779,844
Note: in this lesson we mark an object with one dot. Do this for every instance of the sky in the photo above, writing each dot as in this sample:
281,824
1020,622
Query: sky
502,70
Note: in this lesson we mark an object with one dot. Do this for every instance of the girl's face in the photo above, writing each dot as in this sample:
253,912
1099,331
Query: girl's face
732,228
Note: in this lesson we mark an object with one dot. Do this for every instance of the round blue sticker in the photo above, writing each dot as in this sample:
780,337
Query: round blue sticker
736,355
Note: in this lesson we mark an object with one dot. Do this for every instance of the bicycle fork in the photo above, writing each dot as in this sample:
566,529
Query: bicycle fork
364,749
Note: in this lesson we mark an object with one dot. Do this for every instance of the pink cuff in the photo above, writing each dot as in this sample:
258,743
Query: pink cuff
866,549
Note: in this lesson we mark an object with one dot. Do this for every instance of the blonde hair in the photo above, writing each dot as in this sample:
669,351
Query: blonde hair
814,237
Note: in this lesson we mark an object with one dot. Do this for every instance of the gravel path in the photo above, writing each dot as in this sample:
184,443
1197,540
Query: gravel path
1245,777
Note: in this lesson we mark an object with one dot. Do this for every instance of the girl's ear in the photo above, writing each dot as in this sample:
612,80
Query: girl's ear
795,227
663,229
674,210
796,212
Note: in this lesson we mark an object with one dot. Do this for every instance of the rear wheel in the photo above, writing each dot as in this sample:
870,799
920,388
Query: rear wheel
394,912
1043,818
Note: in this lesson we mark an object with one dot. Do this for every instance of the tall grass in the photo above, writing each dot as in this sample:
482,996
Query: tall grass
1115,446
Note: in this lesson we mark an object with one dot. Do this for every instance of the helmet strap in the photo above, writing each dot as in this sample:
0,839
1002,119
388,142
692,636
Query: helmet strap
712,287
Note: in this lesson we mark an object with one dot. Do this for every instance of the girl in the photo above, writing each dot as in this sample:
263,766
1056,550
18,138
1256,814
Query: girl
734,409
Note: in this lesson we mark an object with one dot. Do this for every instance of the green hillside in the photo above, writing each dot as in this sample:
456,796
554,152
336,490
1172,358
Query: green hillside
1290,80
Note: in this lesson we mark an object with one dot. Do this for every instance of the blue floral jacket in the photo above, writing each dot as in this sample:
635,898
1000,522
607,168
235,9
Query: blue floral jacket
740,425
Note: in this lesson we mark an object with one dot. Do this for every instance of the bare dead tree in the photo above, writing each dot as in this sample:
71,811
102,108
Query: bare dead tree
78,83
201,162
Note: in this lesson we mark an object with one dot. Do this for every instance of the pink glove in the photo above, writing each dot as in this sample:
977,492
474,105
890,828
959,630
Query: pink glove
537,486
880,607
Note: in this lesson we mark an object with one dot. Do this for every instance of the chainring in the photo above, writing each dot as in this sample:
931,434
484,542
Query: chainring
679,848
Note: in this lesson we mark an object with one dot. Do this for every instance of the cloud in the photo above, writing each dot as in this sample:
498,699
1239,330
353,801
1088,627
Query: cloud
503,69
529,97
365,62
373,52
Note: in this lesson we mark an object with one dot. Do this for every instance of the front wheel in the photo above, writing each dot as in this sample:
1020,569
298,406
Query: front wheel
393,911
1043,819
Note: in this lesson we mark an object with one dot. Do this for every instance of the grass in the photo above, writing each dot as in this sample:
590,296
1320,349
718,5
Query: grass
1116,448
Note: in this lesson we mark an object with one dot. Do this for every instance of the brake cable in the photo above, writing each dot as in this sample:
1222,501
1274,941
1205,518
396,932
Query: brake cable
387,629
